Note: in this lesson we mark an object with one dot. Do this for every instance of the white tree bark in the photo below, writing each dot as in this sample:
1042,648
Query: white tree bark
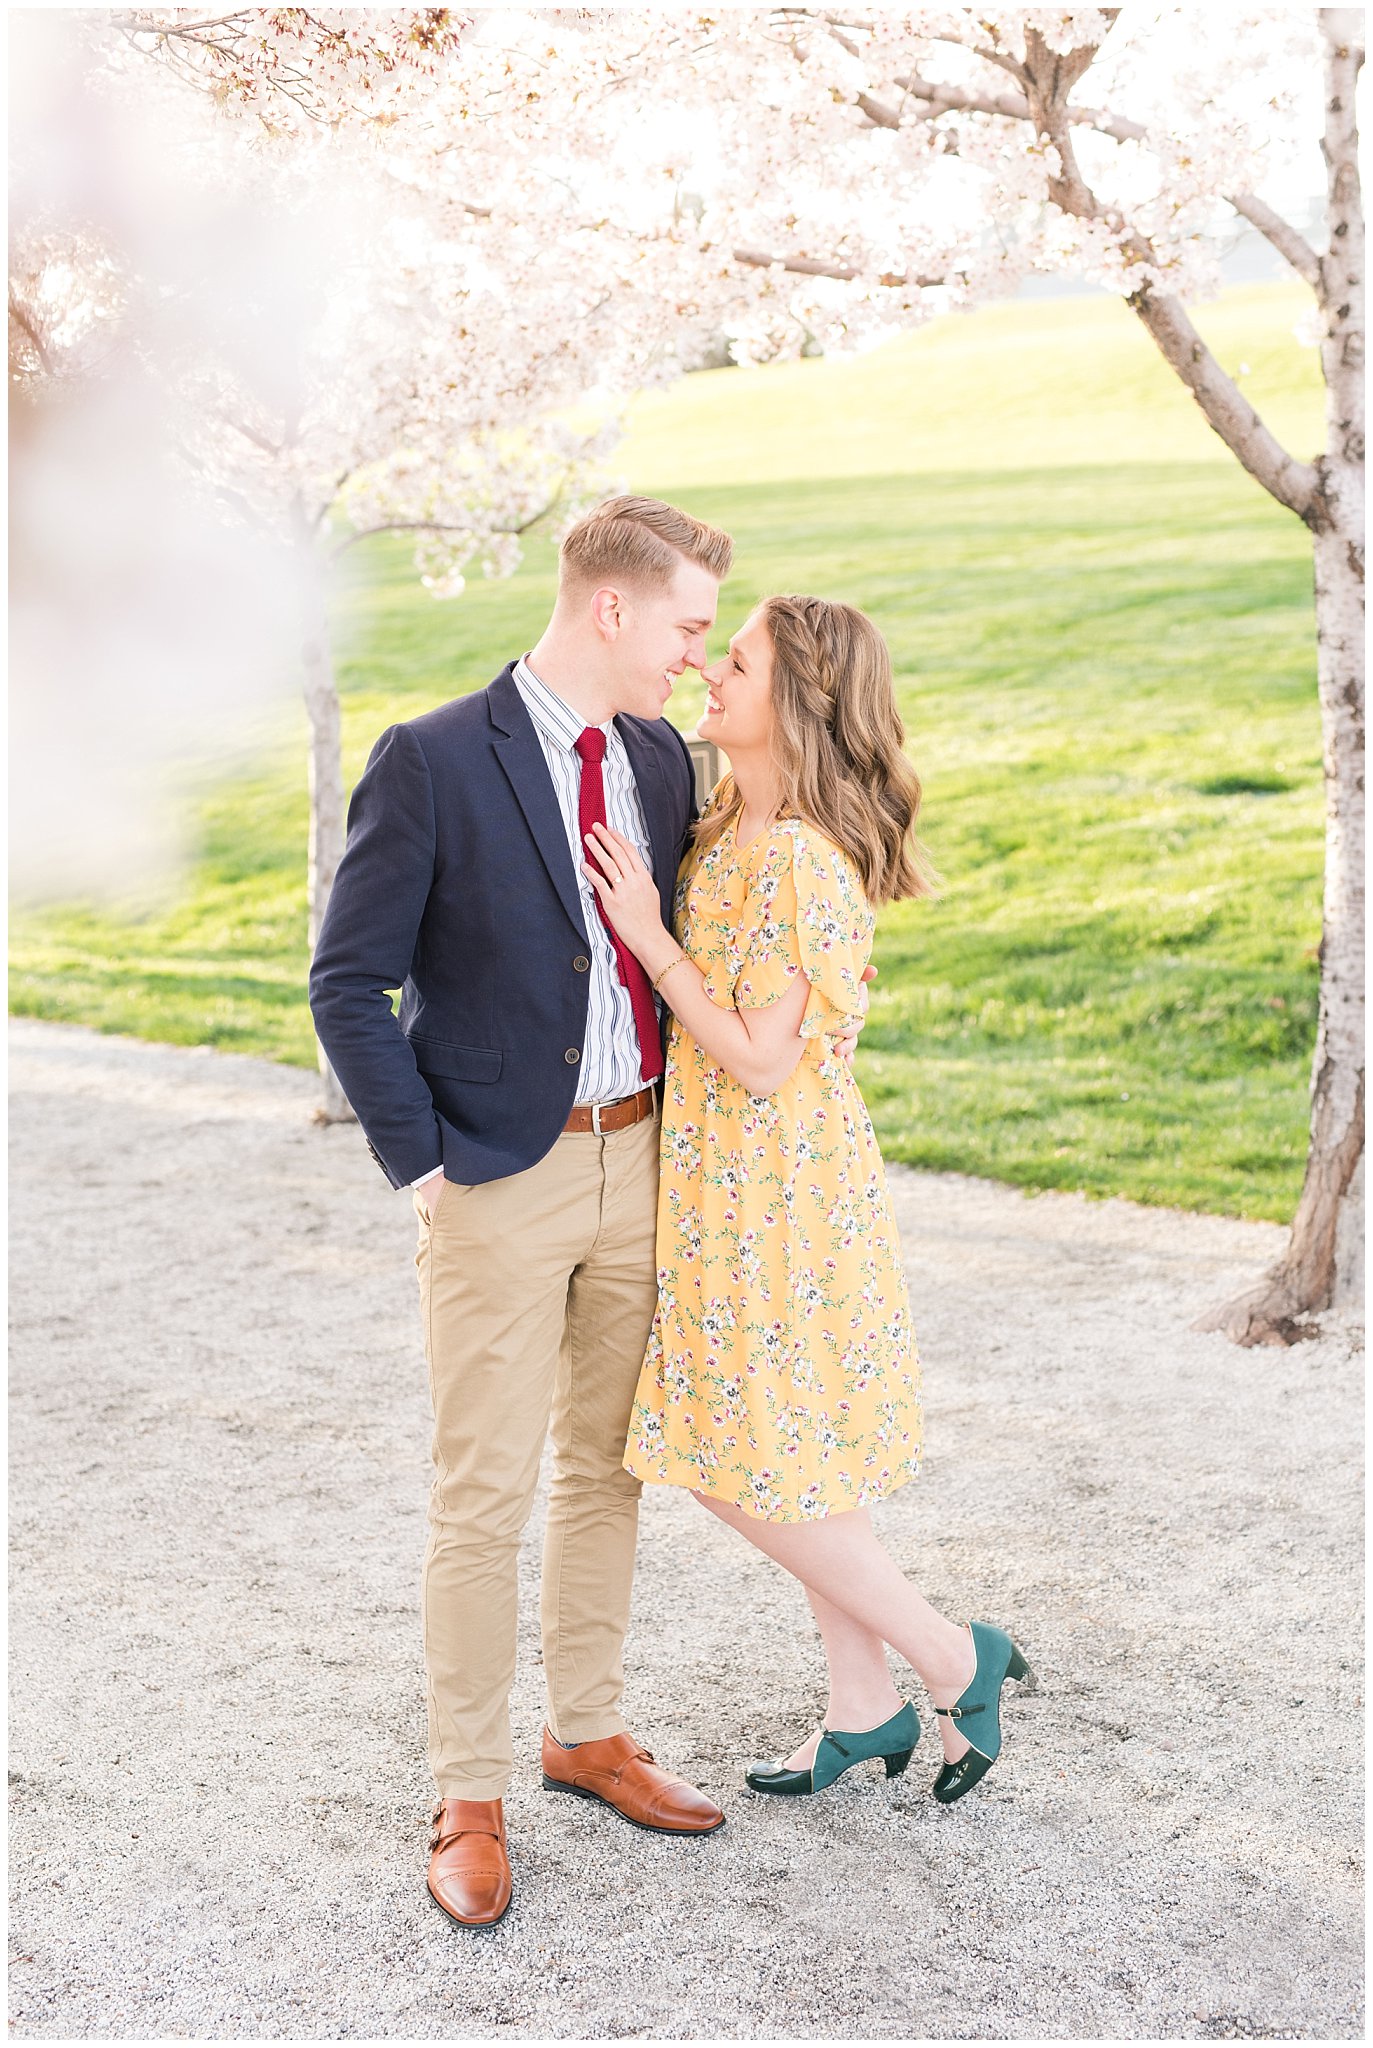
1320,1266
328,808
1323,1264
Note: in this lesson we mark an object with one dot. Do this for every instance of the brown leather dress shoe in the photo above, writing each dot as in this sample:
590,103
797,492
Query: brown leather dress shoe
469,1871
619,1773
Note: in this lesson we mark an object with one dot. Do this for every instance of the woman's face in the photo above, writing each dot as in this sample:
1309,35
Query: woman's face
738,713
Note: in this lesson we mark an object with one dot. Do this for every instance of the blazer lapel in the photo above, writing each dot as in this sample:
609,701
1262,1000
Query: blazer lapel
653,794
521,756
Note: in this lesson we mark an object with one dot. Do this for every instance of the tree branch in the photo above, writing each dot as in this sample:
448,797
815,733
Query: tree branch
1284,237
225,493
163,30
1294,484
319,518
821,266
24,321
442,526
1012,106
397,526
946,99
880,116
253,434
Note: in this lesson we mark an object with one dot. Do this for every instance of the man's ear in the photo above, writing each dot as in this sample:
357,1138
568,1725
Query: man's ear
606,606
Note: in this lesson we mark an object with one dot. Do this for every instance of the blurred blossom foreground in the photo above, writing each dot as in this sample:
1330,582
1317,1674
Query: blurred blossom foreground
144,635
175,278
147,636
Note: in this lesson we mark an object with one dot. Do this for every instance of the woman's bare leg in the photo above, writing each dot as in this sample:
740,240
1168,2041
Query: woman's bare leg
841,1558
862,1694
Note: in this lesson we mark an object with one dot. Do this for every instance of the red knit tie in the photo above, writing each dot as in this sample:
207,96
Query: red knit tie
590,744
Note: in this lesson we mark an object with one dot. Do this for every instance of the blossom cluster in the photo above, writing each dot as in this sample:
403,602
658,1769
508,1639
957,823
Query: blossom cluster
283,64
794,176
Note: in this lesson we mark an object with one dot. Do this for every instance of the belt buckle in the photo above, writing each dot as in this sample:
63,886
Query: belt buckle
597,1107
618,1103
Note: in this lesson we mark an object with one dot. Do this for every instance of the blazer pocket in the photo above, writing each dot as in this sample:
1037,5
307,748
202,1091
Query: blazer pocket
455,1062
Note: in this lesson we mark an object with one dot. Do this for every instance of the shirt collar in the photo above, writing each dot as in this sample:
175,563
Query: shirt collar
548,710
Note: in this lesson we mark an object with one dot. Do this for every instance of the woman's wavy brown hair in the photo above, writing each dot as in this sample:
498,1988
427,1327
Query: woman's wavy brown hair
837,740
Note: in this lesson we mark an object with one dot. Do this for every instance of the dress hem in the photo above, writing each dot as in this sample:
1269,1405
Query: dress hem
791,1521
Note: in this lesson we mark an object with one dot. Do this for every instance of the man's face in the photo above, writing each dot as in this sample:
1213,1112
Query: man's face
660,633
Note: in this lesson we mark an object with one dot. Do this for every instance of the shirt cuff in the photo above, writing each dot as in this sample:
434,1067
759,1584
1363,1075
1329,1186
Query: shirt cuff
427,1176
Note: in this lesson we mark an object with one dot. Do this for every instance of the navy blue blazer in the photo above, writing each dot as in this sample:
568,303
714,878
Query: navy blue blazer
457,888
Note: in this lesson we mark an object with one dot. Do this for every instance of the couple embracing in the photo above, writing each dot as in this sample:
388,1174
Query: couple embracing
652,1212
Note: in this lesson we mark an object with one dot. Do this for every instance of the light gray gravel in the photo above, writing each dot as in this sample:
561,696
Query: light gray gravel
219,1458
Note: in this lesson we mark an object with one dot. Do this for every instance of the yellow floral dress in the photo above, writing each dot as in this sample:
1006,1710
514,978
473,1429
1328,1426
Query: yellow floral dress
781,1372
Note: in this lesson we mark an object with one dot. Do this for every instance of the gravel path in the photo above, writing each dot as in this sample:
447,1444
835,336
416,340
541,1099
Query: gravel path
219,1457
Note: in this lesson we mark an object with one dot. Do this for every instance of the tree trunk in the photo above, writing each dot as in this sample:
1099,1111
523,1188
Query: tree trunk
1323,1263
327,807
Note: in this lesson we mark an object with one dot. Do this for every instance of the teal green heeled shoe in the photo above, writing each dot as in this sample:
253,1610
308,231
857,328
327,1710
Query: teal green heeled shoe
997,1660
839,1751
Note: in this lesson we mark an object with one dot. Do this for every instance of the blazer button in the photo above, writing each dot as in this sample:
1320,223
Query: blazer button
582,964
572,1055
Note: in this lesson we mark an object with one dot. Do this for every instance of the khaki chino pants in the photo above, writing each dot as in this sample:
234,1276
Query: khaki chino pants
537,1294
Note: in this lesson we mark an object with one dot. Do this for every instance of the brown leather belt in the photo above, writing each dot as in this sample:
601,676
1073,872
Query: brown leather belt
614,1116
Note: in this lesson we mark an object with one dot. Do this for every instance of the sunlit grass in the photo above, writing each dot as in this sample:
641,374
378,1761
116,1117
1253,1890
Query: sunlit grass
1104,642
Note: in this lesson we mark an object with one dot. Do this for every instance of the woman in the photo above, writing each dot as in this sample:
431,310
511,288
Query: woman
781,1380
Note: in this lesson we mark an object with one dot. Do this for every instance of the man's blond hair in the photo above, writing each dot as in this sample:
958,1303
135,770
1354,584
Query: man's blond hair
639,541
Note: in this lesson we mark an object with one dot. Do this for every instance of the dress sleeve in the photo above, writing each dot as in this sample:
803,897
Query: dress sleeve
805,913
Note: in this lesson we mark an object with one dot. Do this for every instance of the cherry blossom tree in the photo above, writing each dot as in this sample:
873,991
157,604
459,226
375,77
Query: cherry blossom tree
861,168
353,362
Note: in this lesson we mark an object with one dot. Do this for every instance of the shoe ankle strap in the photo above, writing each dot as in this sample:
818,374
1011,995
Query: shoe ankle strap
465,1817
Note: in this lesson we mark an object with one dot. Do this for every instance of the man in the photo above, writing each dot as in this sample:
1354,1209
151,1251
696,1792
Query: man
515,1093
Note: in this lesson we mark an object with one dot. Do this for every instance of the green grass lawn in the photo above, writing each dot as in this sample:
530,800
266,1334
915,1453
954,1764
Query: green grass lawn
1104,643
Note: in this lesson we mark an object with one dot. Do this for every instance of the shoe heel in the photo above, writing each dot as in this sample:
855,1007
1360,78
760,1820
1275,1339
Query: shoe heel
1018,1668
896,1762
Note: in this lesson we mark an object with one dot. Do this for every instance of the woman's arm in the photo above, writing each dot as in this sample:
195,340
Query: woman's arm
759,1048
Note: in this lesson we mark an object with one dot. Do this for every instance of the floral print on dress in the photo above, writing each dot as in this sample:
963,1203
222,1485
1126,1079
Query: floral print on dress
781,1372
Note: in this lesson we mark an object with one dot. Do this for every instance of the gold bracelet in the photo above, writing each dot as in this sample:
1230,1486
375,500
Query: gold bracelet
668,969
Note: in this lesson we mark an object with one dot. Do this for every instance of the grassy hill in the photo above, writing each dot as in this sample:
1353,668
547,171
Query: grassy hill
1104,641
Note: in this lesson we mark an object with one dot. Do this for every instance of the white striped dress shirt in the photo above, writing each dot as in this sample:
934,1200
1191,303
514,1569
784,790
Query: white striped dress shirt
611,1055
